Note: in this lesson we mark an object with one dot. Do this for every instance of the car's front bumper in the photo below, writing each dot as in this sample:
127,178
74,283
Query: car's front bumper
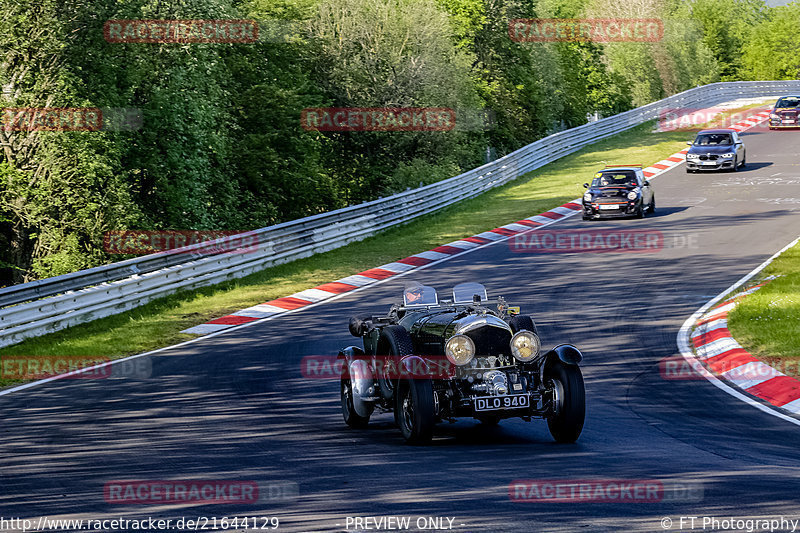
719,164
621,209
778,124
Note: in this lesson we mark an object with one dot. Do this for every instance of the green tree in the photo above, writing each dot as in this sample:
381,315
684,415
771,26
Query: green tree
396,53
280,166
726,26
58,190
689,61
771,52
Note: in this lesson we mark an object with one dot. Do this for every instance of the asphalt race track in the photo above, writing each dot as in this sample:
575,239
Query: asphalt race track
236,407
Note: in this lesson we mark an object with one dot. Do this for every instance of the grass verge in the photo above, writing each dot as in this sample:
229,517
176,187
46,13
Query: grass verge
767,322
160,322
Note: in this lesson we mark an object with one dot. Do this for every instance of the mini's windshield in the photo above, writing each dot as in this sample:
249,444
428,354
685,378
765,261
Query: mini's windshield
713,139
465,292
624,178
416,294
788,101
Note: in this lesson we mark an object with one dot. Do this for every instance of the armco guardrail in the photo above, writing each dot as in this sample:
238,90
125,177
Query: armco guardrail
40,307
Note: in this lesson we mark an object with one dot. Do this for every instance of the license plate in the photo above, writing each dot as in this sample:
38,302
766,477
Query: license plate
709,163
607,206
787,121
494,403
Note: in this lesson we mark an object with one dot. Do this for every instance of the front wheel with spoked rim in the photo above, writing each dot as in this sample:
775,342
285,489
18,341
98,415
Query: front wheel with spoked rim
415,411
565,383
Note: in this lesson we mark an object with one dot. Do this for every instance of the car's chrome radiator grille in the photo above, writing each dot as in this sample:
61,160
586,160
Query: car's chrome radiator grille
493,361
609,200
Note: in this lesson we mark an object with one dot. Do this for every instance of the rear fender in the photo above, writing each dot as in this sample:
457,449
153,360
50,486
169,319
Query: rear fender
350,353
347,356
358,370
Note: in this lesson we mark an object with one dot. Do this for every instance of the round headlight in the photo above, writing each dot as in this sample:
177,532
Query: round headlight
726,156
774,115
692,156
587,197
525,345
633,195
459,350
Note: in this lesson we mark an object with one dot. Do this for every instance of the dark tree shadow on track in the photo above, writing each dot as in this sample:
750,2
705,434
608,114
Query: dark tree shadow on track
665,211
756,165
238,407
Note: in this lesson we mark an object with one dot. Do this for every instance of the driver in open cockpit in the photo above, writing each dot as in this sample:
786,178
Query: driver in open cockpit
414,293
